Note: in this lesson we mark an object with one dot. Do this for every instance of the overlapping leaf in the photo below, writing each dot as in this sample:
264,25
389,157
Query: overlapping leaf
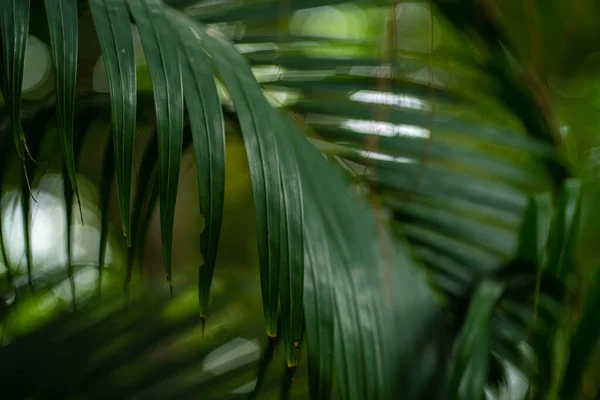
111,19
564,230
261,9
161,49
264,171
459,204
535,230
62,23
276,190
14,28
359,353
206,119
468,372
89,343
144,203
106,180
583,343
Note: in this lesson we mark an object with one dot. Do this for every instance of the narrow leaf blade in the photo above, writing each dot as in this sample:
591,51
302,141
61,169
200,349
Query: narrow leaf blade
263,161
14,28
160,47
208,135
468,372
564,230
106,180
111,19
62,23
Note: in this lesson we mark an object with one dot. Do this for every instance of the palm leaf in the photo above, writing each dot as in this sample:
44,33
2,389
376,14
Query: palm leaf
111,19
453,188
206,119
284,259
459,204
62,23
264,171
469,370
160,46
146,196
565,227
14,26
582,344
108,173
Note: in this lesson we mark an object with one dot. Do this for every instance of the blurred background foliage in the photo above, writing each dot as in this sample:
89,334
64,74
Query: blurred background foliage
464,122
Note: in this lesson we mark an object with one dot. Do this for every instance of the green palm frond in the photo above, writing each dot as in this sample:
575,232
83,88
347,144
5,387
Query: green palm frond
115,37
408,238
15,23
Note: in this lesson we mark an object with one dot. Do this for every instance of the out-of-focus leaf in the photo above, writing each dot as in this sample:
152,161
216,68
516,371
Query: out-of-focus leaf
583,342
111,19
106,180
26,194
535,229
497,376
287,381
468,371
423,119
256,10
534,236
146,195
68,194
563,231
161,49
368,86
265,362
68,204
14,28
451,155
447,203
365,353
450,185
90,342
4,158
523,93
496,239
206,120
62,23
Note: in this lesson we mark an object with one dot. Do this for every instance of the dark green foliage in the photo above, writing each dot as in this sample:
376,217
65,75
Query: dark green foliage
417,243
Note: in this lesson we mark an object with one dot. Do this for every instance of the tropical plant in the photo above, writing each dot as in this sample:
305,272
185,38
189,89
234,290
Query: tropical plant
420,220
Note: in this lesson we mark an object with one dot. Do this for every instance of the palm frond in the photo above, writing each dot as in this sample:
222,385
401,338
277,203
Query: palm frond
160,48
62,23
14,23
112,25
440,262
206,120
